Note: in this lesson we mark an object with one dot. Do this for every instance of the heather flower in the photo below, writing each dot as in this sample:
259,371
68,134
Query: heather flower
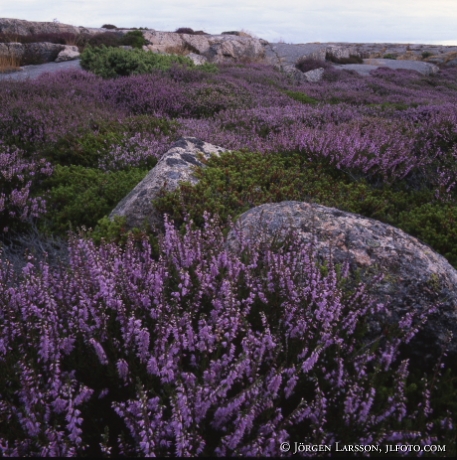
188,348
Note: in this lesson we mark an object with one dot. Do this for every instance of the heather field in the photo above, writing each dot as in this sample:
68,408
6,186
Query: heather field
146,343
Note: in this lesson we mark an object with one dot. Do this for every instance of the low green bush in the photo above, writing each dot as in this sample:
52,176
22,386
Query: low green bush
306,64
135,39
110,39
116,231
84,149
79,196
116,62
301,97
238,181
390,56
352,59
88,146
434,223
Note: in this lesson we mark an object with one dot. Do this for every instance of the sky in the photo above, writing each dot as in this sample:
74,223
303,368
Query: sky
291,21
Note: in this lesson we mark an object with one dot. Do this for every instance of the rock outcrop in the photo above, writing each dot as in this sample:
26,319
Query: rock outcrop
284,54
401,51
20,27
424,68
174,167
197,59
68,54
335,52
39,53
33,53
311,76
12,49
415,277
215,48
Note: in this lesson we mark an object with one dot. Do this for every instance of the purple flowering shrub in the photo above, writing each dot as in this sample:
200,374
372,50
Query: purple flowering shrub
40,112
135,151
188,348
196,350
17,176
375,127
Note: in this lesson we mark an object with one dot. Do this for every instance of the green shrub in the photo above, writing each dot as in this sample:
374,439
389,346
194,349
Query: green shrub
426,54
108,26
135,39
81,196
116,231
305,64
115,62
435,224
184,30
84,149
87,147
109,39
301,97
237,181
390,56
207,67
352,59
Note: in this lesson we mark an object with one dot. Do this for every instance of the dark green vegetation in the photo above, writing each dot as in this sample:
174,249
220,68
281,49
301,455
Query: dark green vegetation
109,62
134,38
91,144
235,182
352,59
301,97
84,195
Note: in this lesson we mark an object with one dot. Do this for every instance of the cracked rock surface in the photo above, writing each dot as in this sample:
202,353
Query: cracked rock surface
175,166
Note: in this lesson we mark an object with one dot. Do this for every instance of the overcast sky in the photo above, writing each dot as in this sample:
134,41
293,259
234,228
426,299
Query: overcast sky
293,21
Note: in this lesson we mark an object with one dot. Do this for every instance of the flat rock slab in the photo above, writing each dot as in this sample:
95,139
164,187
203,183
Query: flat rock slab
176,166
34,71
415,277
424,68
361,69
22,27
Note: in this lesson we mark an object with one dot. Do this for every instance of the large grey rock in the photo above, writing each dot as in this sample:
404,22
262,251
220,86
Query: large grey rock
311,76
415,277
215,48
174,167
197,59
20,27
15,50
314,76
284,54
39,53
341,52
33,53
68,54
